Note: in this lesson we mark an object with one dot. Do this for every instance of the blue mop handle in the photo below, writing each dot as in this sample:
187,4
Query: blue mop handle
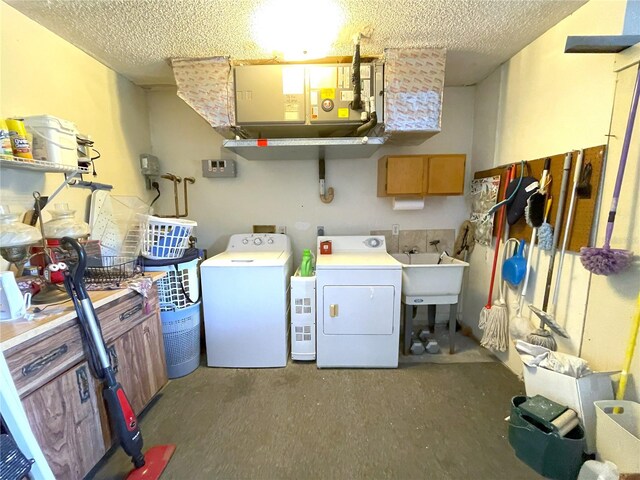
623,160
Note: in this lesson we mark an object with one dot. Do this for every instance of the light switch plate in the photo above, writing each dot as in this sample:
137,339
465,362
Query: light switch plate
219,168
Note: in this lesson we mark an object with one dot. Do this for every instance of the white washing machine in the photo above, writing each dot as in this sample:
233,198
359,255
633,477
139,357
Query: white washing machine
358,294
245,301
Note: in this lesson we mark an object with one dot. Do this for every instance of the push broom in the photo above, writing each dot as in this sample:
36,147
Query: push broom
541,336
494,318
607,260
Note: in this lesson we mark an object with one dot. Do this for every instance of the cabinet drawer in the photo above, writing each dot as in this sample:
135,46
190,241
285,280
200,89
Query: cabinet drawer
36,365
41,361
122,315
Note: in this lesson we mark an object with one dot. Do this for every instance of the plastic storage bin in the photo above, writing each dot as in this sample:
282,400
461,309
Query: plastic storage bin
618,434
165,237
549,454
303,317
54,139
181,335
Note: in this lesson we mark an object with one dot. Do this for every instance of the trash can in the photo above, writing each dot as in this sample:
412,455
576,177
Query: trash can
549,454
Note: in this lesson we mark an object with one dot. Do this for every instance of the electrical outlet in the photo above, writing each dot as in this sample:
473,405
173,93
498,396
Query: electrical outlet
395,229
282,229
320,231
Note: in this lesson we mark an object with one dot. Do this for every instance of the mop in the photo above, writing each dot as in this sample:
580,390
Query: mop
605,260
494,319
635,326
541,336
549,315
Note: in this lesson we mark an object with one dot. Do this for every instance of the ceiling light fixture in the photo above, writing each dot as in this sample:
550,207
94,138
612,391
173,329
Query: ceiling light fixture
297,29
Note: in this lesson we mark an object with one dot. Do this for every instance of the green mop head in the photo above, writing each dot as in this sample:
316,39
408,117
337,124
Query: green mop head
545,236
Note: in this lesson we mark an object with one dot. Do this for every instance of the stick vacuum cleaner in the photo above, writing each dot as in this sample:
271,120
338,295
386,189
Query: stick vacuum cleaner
124,423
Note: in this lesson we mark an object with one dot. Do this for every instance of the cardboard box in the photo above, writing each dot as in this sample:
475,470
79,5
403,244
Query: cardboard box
576,393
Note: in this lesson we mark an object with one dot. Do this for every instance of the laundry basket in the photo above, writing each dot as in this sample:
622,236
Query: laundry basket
181,335
165,237
179,287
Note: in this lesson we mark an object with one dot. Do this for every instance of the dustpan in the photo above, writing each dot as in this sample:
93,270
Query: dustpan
515,268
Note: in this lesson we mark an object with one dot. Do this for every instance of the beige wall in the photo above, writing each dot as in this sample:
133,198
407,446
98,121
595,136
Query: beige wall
285,193
41,73
548,103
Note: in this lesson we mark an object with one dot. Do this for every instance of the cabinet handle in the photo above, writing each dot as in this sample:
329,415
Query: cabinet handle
83,384
113,358
44,360
333,310
129,313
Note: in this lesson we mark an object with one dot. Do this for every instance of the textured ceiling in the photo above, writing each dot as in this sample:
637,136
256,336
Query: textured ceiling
136,37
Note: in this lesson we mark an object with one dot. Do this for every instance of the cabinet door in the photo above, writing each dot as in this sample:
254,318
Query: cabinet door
140,360
65,419
444,175
404,175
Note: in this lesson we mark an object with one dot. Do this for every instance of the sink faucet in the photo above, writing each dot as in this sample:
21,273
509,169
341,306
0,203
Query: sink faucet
408,251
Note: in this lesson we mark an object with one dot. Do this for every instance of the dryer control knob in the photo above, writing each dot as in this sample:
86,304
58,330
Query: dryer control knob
257,241
245,241
270,241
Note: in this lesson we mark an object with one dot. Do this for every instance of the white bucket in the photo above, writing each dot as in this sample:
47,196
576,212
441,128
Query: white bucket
54,139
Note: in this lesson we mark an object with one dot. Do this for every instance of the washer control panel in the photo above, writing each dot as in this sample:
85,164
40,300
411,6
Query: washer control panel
356,243
259,242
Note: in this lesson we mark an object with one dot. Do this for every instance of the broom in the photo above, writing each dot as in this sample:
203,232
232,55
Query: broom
494,319
541,336
605,260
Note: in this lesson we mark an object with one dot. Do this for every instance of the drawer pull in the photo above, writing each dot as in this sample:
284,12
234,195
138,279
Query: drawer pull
333,310
113,358
83,384
129,313
41,362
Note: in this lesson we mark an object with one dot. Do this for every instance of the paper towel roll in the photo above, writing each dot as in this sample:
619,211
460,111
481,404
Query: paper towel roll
400,203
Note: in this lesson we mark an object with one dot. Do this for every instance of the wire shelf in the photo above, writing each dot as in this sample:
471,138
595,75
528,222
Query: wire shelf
19,163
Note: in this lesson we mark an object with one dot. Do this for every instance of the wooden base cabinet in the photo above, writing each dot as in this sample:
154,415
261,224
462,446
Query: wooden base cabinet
67,413
421,175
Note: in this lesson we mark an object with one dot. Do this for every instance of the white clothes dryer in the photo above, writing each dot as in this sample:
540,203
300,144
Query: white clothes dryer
358,290
245,302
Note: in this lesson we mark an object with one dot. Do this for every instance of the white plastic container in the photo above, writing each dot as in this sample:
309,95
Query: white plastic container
303,317
618,434
54,139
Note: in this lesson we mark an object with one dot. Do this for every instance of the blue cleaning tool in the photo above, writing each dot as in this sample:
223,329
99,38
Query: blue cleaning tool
545,232
515,268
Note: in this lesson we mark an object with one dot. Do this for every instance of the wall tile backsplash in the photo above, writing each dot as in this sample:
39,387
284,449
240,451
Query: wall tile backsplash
419,239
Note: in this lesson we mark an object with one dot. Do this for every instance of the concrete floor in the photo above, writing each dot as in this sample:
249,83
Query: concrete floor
423,420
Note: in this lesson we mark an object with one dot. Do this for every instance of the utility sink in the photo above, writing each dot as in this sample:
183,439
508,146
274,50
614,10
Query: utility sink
425,281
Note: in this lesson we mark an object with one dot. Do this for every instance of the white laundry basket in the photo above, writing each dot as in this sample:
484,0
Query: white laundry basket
179,287
618,433
165,237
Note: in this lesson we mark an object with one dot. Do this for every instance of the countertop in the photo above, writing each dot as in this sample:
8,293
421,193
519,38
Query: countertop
15,332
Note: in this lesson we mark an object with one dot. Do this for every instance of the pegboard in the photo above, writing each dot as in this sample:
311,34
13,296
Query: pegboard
585,208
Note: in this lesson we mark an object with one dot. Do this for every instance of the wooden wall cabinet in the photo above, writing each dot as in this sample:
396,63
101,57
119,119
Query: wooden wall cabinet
421,175
62,399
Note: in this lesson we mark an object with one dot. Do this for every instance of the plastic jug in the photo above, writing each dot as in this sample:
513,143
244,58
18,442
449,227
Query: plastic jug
306,267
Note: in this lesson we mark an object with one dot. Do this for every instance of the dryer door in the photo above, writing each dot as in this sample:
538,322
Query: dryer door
358,310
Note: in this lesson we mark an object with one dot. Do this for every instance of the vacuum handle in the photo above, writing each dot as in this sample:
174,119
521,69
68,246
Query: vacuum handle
78,273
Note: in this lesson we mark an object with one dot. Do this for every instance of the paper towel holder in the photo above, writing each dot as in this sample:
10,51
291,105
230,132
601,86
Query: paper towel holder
407,203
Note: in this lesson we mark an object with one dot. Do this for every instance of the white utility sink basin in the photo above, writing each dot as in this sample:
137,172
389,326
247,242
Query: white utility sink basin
424,281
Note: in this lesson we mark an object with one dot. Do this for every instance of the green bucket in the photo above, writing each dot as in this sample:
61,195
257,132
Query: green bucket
549,454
